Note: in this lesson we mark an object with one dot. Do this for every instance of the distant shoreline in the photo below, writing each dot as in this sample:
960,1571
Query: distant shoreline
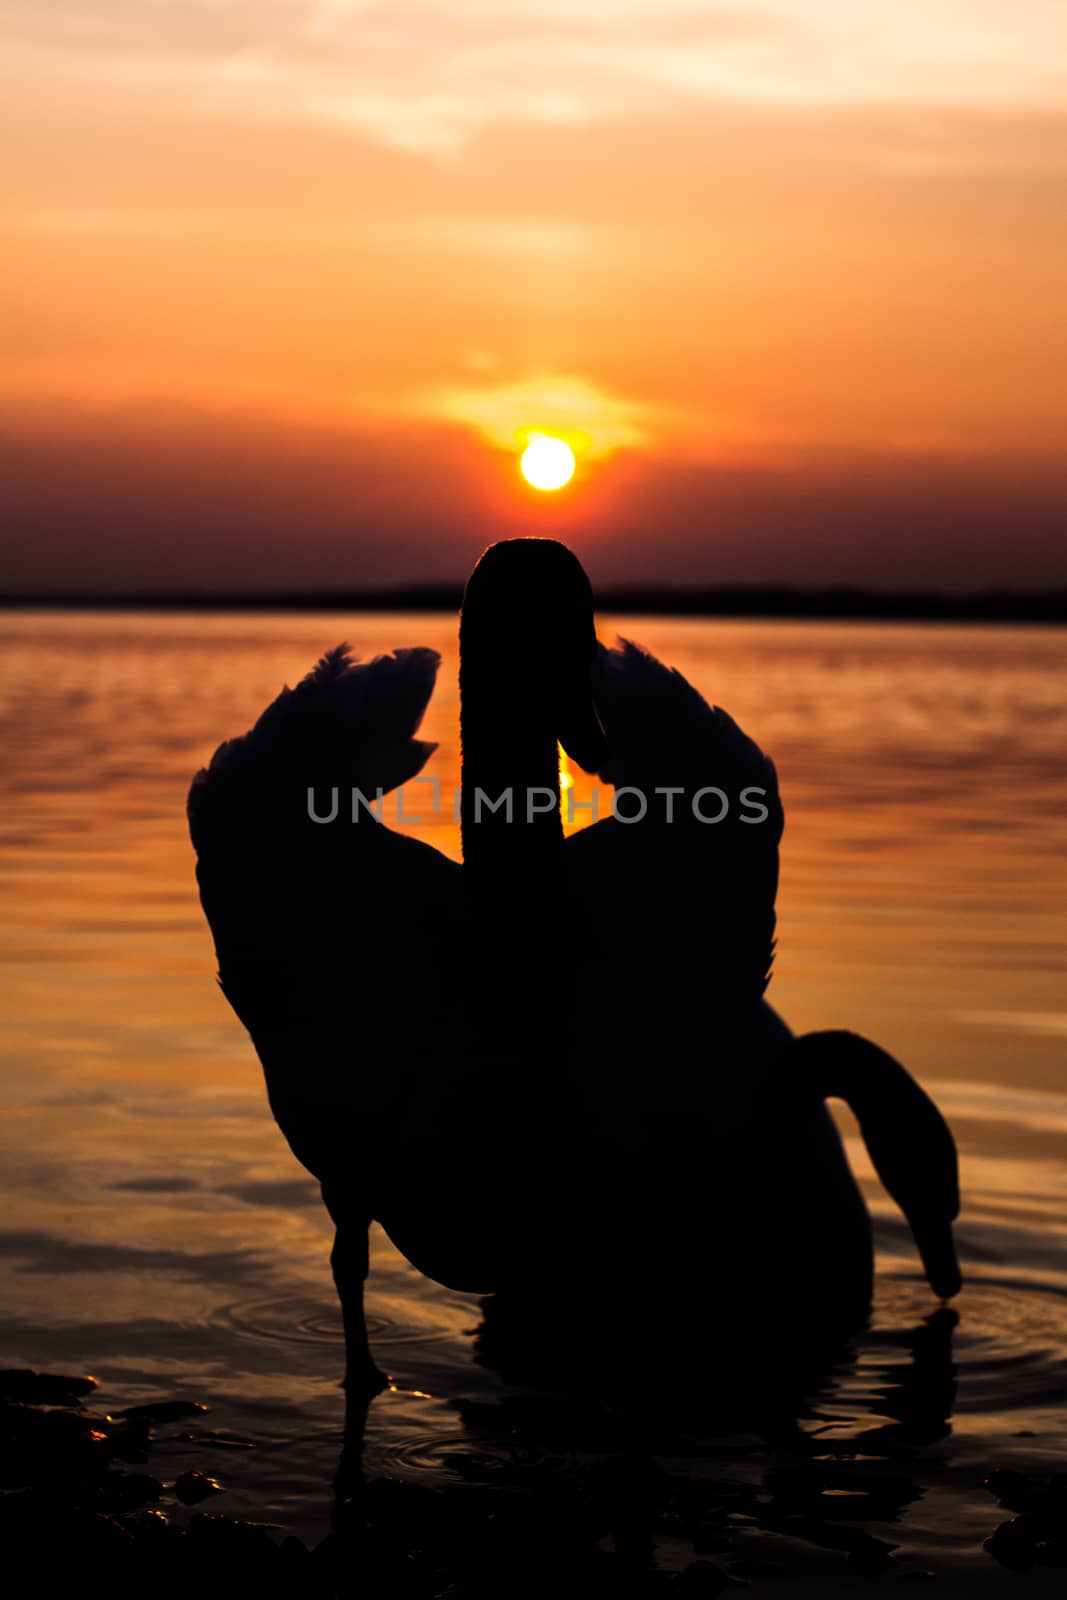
841,604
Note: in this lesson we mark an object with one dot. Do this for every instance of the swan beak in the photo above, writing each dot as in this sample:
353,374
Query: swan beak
938,1254
579,732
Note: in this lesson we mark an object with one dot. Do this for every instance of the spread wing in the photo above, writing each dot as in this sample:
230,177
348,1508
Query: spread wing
328,933
685,903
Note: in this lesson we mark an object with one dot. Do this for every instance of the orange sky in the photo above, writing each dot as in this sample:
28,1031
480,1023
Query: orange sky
285,281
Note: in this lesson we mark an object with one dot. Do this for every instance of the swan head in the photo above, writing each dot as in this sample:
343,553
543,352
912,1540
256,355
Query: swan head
534,594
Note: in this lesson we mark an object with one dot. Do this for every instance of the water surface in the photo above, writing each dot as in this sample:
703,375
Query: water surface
157,1231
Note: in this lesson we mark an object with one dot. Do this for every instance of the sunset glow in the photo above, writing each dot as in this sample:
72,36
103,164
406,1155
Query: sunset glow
786,277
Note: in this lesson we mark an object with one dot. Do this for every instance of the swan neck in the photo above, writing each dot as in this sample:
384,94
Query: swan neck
510,798
512,866
835,1064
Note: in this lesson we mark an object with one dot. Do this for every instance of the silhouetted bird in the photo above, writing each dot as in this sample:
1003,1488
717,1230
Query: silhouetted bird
551,1070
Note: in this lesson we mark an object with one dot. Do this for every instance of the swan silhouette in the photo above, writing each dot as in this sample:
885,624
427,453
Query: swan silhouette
552,1068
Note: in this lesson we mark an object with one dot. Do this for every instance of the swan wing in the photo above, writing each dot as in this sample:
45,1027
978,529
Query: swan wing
328,933
681,907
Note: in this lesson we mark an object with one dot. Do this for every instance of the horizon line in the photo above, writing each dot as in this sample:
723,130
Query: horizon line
831,601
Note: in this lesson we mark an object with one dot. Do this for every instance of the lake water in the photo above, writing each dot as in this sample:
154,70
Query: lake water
157,1232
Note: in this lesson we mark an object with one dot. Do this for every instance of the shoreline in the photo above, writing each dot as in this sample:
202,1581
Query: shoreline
1043,608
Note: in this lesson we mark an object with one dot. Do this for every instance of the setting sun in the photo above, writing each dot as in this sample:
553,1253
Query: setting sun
547,463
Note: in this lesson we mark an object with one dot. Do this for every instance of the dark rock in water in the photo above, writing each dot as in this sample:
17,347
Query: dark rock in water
1014,1491
208,1528
99,1537
1042,1504
159,1411
872,1556
117,1492
41,1528
148,1525
21,1423
1013,1545
192,1487
42,1446
43,1388
79,1523
224,1543
128,1438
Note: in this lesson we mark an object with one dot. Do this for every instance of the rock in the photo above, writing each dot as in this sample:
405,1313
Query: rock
128,1491
160,1411
1013,1545
229,1536
148,1525
871,1556
43,1446
96,1537
43,1388
192,1487
216,1545
128,1438
1042,1502
1014,1491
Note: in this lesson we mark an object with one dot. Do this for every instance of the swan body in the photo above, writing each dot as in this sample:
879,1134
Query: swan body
436,1056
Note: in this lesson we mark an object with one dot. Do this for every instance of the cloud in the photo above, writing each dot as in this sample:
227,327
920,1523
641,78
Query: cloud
594,423
307,259
429,77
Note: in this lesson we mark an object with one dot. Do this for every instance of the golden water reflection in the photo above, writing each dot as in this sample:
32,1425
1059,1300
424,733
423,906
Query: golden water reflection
155,1226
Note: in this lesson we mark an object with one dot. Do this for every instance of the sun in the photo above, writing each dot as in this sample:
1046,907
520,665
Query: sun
547,463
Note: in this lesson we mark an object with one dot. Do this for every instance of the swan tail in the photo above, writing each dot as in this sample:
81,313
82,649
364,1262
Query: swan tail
908,1140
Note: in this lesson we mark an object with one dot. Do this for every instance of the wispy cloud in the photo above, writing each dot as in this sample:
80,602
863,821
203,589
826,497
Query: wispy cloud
430,76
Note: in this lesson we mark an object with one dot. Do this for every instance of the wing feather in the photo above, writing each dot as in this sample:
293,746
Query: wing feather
688,907
320,928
